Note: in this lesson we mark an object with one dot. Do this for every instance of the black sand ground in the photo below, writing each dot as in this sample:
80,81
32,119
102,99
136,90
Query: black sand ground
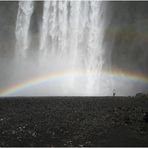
73,121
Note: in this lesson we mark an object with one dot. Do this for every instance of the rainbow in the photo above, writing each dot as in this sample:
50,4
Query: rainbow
116,73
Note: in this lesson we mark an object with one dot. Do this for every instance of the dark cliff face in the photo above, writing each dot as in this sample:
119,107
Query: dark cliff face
127,35
125,38
8,14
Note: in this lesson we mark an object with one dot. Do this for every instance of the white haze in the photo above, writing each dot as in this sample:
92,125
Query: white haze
71,41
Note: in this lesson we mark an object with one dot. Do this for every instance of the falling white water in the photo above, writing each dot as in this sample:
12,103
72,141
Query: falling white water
71,35
63,26
76,29
95,49
25,11
44,31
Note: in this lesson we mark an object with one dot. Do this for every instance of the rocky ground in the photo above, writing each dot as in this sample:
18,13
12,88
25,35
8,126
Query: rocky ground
74,121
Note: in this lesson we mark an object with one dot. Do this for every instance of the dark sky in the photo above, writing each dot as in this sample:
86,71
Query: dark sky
126,37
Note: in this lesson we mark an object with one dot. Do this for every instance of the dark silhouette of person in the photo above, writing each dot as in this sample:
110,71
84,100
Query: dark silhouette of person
114,92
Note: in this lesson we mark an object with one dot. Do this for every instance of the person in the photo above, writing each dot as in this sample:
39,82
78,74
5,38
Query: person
114,92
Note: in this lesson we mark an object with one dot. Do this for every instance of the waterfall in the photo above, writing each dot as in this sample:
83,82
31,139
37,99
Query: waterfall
95,49
44,30
73,31
25,11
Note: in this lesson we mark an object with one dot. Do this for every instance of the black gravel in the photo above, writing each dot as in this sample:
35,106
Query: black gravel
74,121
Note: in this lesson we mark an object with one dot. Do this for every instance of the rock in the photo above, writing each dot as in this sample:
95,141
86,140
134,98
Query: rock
139,95
126,120
145,117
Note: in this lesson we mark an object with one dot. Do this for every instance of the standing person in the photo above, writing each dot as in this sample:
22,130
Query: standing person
114,92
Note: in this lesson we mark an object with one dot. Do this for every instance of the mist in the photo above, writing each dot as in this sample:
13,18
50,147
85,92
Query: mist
65,67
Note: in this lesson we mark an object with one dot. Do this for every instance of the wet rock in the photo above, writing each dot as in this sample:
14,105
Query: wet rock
140,95
34,134
81,145
14,132
126,120
145,117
